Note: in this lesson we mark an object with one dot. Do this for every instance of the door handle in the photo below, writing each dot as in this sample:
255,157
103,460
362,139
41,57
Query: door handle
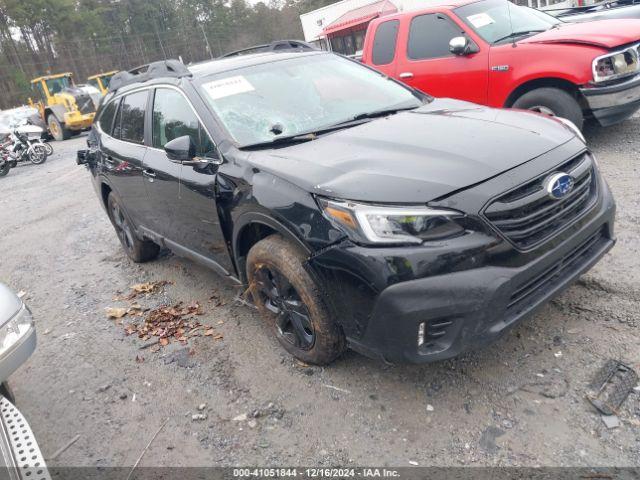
149,173
406,75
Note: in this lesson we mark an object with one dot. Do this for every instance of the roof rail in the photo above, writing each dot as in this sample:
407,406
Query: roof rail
277,46
143,73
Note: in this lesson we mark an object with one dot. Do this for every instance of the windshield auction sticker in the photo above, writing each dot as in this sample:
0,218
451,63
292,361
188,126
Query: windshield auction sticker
227,87
480,20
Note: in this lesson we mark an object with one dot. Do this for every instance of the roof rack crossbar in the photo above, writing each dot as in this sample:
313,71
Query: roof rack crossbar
163,68
276,46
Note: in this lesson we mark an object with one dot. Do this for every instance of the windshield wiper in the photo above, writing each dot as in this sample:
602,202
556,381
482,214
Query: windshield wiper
379,113
518,34
286,140
312,135
302,137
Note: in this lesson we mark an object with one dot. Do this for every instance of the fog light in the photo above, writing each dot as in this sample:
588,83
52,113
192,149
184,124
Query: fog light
420,334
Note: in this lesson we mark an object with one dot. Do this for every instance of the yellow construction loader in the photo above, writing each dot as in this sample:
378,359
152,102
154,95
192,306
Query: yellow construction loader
101,81
66,108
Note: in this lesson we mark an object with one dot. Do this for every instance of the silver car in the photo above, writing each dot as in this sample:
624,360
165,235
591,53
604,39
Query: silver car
21,456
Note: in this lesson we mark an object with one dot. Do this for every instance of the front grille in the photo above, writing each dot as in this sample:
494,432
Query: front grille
527,216
526,293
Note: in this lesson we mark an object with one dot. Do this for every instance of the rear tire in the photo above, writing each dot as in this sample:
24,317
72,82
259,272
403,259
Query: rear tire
291,302
139,251
552,101
57,129
4,169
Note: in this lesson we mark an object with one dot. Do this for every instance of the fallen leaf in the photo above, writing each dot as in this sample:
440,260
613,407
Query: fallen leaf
139,359
209,332
164,341
113,312
218,337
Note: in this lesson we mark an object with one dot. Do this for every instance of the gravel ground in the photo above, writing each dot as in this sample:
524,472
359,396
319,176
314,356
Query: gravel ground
519,402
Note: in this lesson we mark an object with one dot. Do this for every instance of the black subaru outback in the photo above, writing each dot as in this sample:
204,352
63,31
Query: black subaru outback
359,212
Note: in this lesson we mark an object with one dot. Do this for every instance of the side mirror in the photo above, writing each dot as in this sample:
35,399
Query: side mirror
460,46
181,149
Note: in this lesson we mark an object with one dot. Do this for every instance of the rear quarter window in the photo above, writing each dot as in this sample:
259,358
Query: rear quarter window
131,117
384,42
105,121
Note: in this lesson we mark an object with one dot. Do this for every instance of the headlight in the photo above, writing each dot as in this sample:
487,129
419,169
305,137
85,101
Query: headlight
391,224
14,329
616,65
572,126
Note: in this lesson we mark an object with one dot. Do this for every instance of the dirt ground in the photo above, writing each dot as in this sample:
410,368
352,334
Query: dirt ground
519,402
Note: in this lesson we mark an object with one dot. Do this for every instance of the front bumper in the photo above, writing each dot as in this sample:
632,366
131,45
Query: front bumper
78,121
613,103
463,309
21,456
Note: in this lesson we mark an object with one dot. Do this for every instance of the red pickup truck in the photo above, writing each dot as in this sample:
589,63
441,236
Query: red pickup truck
496,53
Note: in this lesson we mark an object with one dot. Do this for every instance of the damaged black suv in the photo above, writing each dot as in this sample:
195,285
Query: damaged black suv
359,212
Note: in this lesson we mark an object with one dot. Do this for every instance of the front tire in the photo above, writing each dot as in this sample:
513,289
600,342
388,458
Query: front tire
57,129
139,251
48,148
291,302
554,102
38,154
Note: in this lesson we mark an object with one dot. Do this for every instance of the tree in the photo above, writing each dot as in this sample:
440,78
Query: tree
92,36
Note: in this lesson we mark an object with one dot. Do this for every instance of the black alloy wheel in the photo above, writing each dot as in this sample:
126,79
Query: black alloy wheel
293,322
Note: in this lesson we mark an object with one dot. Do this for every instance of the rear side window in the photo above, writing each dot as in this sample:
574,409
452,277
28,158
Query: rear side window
173,117
429,36
131,118
384,43
106,117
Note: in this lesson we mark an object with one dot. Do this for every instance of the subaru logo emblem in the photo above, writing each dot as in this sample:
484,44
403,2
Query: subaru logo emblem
558,185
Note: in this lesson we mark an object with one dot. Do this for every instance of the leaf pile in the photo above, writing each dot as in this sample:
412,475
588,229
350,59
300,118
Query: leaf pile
177,323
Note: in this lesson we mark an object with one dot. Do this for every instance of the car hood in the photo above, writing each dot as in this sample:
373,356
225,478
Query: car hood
10,304
415,156
601,33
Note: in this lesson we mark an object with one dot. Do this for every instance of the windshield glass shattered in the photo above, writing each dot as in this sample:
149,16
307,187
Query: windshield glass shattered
258,104
501,20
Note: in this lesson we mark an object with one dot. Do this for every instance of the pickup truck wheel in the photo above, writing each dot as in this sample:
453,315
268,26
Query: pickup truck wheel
290,301
138,250
552,101
57,129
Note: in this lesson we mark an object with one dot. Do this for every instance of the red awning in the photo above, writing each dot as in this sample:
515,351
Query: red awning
359,16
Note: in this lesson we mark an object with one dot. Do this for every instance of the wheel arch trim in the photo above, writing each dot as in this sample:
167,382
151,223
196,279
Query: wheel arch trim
531,83
251,218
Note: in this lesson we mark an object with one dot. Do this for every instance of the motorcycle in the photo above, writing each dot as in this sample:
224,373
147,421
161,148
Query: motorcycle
24,144
39,140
